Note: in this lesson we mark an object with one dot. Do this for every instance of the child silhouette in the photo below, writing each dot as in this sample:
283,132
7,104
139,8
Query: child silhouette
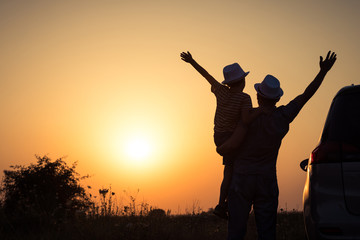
233,111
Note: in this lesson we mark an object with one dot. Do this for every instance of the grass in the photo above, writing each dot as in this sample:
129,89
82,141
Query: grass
161,227
103,214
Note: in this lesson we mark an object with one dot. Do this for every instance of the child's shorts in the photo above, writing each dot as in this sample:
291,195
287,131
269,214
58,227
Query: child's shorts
219,139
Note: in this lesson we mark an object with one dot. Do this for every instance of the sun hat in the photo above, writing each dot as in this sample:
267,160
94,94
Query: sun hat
269,88
233,73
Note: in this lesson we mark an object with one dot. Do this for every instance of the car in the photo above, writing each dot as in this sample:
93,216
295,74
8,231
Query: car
331,196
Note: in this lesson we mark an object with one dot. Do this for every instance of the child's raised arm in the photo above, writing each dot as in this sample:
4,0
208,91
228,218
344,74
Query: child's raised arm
186,57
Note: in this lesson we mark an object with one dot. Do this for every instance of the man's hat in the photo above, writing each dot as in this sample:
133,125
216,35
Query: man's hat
269,88
233,73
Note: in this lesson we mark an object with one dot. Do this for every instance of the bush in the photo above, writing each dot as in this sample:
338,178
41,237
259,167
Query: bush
157,213
48,190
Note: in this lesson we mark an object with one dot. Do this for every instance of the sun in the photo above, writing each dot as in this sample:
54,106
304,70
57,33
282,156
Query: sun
138,148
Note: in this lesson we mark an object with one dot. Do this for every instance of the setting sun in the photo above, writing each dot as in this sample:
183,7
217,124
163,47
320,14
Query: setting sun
138,148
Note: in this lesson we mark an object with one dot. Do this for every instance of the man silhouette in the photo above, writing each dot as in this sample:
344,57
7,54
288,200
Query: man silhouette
254,181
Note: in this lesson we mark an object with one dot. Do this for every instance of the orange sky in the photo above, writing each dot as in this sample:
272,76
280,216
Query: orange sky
83,78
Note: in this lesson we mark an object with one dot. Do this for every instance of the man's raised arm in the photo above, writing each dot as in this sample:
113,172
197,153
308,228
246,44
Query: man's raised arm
325,66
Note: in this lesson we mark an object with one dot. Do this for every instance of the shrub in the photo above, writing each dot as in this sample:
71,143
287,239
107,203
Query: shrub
47,190
157,212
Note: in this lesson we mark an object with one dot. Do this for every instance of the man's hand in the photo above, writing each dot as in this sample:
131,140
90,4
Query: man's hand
226,148
325,65
186,57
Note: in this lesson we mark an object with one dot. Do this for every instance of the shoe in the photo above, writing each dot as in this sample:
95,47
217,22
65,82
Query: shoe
221,212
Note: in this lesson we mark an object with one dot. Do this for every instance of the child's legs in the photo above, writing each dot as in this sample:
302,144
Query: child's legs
224,189
220,138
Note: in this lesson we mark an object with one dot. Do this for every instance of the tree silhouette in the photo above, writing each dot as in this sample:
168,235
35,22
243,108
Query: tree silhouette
47,190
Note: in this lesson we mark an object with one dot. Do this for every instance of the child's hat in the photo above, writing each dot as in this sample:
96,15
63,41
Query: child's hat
269,88
233,73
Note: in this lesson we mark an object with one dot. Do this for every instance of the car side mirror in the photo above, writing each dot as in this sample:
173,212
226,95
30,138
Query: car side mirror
304,164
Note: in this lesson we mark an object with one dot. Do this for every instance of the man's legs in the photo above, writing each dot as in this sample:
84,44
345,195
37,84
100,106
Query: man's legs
239,206
265,207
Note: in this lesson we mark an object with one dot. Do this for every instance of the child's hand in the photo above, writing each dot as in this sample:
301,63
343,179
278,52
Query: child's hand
186,57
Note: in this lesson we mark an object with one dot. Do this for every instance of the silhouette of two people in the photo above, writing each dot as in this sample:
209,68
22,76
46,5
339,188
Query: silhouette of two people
253,147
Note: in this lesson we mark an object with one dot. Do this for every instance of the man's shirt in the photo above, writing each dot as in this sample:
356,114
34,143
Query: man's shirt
259,150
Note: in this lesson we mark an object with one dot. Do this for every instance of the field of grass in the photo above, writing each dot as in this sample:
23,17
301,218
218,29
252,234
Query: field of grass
60,209
160,227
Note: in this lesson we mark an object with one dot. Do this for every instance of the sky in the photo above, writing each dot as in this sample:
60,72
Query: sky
102,84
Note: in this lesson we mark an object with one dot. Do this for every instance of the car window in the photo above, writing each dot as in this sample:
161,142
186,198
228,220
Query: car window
343,122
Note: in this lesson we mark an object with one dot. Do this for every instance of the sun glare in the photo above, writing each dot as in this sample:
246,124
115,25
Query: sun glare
138,148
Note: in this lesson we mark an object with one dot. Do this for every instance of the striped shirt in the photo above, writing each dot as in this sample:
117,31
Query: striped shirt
228,107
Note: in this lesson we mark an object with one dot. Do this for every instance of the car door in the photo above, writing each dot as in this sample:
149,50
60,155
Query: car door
344,128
